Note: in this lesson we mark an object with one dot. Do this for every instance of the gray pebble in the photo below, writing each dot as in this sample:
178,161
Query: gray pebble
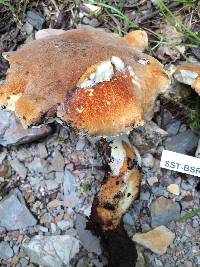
5,251
184,142
35,19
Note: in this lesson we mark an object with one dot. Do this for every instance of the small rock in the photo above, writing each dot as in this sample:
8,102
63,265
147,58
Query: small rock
183,143
92,8
174,189
59,177
53,228
41,151
23,262
3,155
12,132
38,165
188,264
173,127
197,260
92,22
186,186
55,203
16,249
5,251
195,223
52,251
28,28
14,214
81,144
148,161
70,197
90,242
63,225
23,154
152,180
42,229
51,184
35,19
157,240
35,182
2,230
163,211
147,136
83,262
167,117
58,162
19,168
128,219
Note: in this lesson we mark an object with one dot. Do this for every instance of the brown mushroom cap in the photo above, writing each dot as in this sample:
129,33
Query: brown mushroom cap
44,76
189,74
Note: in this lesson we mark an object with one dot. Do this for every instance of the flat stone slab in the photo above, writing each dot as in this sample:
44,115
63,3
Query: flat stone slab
157,240
14,215
12,132
52,251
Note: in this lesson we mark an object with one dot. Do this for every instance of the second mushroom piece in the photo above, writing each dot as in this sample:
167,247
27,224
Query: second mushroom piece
101,84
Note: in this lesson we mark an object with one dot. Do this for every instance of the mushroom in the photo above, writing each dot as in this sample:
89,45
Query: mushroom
103,86
189,74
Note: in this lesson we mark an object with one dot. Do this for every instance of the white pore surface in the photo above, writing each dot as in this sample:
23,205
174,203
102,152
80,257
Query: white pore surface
118,63
186,76
104,72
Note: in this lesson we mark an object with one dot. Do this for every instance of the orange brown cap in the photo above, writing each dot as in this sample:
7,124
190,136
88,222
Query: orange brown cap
97,81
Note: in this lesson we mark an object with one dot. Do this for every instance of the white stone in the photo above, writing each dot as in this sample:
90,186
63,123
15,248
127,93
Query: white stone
148,161
63,225
174,189
52,251
14,214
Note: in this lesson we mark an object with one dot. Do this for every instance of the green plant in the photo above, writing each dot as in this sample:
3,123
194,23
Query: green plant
57,137
126,23
118,13
8,5
18,10
190,214
193,103
86,187
187,2
193,37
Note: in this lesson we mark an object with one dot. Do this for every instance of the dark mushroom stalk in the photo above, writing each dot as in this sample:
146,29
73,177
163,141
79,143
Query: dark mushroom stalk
103,86
119,189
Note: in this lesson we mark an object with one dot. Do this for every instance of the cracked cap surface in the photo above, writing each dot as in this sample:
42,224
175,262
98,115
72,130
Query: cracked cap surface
44,74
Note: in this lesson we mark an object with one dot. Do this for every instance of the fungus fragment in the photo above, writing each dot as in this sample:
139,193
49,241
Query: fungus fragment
189,74
102,85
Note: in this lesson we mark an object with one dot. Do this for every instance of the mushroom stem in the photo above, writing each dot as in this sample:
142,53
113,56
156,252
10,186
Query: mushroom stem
120,187
121,184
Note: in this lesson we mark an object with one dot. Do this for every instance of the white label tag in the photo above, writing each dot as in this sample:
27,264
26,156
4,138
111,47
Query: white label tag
180,163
